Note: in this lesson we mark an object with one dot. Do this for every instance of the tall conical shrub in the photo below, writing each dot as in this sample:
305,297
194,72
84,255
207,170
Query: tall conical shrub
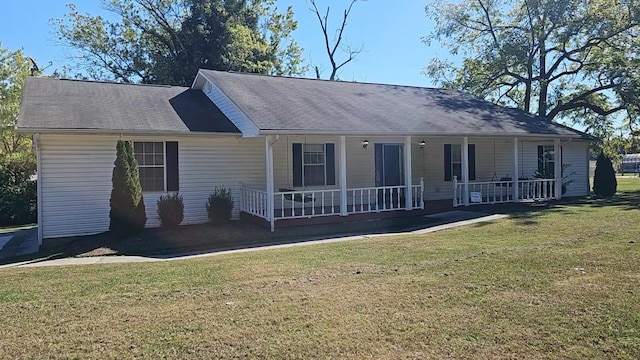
126,195
604,180
139,213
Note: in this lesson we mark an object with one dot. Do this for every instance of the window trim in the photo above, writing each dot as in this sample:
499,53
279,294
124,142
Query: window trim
164,165
453,174
546,169
324,163
448,160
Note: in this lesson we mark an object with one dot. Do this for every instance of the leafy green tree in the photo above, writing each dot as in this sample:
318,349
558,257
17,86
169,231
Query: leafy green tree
14,68
18,194
167,41
555,58
126,195
604,180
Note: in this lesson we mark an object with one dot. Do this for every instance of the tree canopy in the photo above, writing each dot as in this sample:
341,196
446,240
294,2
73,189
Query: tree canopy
167,41
576,59
14,68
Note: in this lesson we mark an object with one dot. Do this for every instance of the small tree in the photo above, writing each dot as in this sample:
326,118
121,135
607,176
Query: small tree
126,195
140,212
604,180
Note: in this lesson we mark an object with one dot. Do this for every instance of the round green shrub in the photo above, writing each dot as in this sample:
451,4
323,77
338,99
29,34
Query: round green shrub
220,205
170,210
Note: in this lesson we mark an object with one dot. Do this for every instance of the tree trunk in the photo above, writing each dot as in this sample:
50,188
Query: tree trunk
544,85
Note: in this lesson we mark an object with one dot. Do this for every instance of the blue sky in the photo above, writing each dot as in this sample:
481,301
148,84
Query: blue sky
390,32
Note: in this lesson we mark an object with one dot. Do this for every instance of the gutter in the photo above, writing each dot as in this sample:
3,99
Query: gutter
413,133
122,132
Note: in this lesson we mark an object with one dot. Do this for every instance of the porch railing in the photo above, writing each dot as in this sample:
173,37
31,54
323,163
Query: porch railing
254,202
496,192
538,189
325,202
306,203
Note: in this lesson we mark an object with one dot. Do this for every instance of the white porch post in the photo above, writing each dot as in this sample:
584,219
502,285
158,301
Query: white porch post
516,171
343,176
407,173
465,169
269,174
557,162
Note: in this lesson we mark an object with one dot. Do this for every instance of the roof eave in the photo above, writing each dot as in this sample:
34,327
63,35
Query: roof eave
409,133
124,131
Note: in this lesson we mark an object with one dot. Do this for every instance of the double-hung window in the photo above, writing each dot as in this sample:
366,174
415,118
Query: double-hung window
157,165
546,161
453,161
313,164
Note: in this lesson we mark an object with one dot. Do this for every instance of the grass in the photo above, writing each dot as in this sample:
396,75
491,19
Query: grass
559,282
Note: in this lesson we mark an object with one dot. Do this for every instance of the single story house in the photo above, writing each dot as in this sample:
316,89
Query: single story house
289,148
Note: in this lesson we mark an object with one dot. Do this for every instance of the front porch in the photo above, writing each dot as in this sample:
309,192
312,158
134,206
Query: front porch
334,177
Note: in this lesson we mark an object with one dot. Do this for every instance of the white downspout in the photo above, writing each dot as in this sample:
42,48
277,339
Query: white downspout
36,143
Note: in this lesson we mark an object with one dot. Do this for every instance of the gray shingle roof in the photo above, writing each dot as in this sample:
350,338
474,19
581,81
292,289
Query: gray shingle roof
292,104
53,104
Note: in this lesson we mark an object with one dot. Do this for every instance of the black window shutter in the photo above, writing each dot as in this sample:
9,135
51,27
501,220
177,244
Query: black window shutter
330,163
540,159
173,177
296,150
472,161
447,162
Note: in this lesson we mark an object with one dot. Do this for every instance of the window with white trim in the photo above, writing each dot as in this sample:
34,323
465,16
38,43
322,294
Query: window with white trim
548,161
150,157
313,164
456,160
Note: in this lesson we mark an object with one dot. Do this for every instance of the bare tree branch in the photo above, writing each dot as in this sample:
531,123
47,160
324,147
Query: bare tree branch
352,53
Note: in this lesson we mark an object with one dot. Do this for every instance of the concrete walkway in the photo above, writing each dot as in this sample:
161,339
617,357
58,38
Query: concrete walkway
449,220
19,242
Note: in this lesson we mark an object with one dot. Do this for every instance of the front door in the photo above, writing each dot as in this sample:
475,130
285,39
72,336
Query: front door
390,172
389,161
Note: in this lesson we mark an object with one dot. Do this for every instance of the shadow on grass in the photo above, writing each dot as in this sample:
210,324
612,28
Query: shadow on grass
207,238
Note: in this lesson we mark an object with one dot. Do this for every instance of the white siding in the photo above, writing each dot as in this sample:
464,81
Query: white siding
360,161
237,117
76,171
76,178
576,155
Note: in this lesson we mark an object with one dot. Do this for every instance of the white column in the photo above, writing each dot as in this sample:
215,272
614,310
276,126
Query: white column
516,171
342,173
407,173
465,169
269,174
557,161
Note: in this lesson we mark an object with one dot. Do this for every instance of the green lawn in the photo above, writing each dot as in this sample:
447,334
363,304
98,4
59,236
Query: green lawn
561,282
